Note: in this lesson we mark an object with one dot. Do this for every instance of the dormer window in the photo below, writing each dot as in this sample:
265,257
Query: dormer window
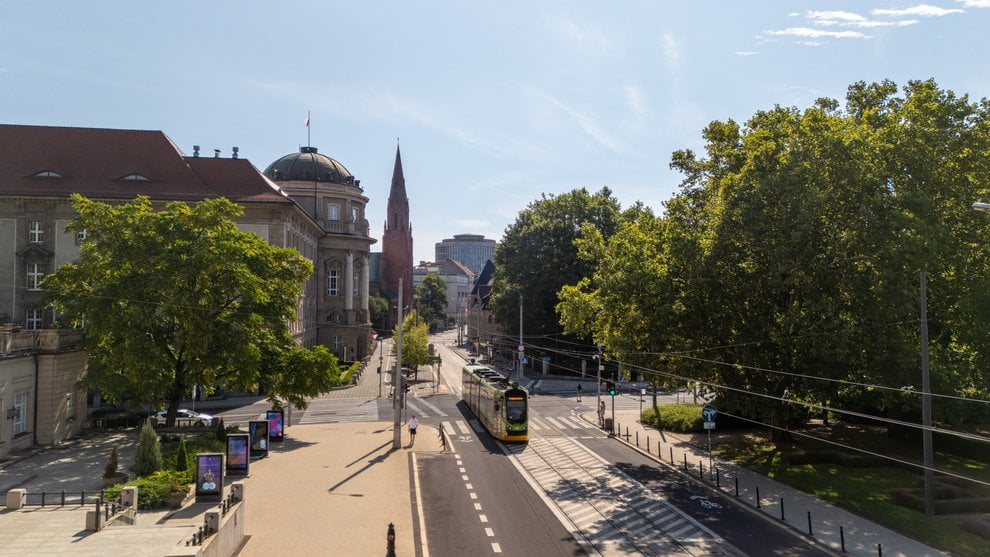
135,178
47,174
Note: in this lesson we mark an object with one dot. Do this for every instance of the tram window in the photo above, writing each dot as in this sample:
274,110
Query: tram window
515,409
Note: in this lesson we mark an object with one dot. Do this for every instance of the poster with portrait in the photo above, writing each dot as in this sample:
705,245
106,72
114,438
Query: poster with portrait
238,454
276,425
209,477
258,430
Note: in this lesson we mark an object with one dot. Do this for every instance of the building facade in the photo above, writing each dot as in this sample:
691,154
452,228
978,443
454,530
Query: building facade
470,249
334,199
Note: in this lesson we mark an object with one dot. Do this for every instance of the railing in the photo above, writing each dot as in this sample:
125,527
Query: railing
61,498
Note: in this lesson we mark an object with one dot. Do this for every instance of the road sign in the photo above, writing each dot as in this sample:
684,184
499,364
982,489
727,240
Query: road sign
522,348
709,425
708,413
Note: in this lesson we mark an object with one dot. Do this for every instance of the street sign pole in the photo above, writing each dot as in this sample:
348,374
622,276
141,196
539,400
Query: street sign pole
708,414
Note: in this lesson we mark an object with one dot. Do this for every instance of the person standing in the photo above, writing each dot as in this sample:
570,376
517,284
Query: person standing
579,390
601,413
413,424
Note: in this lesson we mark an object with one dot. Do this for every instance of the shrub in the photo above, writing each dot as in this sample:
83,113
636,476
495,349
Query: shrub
149,454
682,418
348,375
182,456
112,465
152,489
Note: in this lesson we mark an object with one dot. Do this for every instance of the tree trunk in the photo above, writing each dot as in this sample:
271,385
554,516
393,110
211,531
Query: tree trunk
175,398
779,420
655,406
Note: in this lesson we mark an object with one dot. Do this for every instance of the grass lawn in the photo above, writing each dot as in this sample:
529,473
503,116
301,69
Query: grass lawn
867,491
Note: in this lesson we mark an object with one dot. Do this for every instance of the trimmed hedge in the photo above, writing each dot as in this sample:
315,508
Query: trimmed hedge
680,418
153,488
348,376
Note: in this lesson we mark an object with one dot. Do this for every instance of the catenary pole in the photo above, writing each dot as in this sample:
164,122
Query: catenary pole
396,381
926,403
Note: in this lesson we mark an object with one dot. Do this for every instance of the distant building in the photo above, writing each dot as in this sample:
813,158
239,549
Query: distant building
470,249
458,280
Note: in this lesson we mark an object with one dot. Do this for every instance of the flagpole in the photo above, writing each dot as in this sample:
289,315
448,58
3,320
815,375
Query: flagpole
309,143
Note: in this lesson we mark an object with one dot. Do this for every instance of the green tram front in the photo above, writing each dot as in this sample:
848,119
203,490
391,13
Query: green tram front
502,407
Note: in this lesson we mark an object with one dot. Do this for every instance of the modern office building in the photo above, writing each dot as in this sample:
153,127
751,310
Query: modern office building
473,250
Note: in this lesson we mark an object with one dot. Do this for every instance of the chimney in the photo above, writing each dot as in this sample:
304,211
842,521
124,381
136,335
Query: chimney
196,151
234,149
216,153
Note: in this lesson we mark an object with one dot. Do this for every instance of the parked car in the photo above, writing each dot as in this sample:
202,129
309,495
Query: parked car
184,417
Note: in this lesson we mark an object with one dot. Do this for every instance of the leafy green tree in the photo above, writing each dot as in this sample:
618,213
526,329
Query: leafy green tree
430,300
415,343
538,256
180,297
378,308
149,454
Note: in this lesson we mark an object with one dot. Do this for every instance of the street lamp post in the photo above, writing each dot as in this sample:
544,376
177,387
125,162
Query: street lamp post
522,347
381,362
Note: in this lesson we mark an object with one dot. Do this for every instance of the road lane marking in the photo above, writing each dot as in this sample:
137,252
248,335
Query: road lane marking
419,509
484,518
489,532
473,495
462,469
415,408
477,506
554,422
496,548
469,486
464,477
461,425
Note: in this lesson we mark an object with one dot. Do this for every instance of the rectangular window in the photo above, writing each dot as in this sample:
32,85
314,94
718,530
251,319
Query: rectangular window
355,214
333,212
333,283
20,413
33,319
35,234
34,275
336,343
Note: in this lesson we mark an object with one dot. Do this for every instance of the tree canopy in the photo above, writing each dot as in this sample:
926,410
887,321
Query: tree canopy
539,255
430,300
180,297
795,245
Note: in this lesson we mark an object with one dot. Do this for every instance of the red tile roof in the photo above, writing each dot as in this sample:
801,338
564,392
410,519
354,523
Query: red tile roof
94,161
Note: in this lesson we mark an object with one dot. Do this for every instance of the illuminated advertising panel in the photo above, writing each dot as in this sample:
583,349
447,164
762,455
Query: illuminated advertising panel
238,454
209,477
258,431
276,425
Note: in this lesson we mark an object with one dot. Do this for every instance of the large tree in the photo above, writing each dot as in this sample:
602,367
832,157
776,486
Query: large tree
430,299
795,244
539,255
415,343
180,297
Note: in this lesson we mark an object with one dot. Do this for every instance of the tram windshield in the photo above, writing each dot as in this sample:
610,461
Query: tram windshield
515,409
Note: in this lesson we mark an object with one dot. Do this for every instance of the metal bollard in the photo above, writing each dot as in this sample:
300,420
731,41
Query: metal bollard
701,469
82,497
737,486
810,533
42,498
648,444
685,461
671,455
842,538
627,433
782,508
758,497
63,498
879,550
637,438
718,478
390,551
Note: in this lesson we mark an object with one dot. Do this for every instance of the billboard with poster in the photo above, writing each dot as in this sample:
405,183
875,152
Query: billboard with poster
276,425
258,432
238,454
209,477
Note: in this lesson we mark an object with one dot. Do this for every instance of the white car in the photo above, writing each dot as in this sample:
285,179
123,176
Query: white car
184,417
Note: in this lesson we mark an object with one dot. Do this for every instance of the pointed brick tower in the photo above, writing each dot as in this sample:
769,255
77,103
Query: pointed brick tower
397,242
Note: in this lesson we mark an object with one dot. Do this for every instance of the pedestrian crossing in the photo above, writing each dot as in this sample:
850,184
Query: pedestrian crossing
341,410
422,407
613,513
559,423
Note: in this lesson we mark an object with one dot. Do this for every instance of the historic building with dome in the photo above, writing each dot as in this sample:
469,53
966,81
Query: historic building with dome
335,201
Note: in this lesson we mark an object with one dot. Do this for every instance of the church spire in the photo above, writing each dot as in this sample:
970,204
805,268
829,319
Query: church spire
398,191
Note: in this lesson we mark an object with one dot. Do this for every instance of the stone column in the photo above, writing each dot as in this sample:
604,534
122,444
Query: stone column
349,283
363,286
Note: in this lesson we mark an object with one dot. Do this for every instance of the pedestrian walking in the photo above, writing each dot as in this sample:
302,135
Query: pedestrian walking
579,390
601,413
413,424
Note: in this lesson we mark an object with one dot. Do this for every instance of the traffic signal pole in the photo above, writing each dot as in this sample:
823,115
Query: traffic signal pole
397,382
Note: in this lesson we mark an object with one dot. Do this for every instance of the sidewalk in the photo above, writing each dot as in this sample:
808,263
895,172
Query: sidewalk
862,537
333,489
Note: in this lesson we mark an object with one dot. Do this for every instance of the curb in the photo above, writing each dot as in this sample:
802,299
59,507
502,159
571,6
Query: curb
786,526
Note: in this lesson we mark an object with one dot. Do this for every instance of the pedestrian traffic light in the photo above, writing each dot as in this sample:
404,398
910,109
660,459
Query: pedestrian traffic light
611,388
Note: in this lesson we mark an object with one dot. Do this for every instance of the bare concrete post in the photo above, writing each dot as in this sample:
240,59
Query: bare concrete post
129,496
16,499
237,491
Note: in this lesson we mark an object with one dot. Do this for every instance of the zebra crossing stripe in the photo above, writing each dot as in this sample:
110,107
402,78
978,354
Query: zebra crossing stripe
463,427
448,427
535,425
683,530
415,408
554,422
432,407
529,384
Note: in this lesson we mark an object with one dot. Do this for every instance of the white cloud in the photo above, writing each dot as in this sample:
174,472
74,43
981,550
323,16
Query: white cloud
635,102
809,43
828,18
924,10
747,52
760,39
671,51
815,33
588,123
975,3
794,14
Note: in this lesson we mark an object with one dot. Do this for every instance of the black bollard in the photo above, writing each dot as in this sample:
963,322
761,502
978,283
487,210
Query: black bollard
42,498
648,444
685,461
737,486
879,550
701,469
390,552
782,508
718,478
842,538
810,533
637,438
758,497
671,455
63,498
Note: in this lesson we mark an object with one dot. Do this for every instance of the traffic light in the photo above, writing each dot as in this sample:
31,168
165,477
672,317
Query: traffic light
611,387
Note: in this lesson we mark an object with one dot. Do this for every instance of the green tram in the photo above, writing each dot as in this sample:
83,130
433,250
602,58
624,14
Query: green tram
501,406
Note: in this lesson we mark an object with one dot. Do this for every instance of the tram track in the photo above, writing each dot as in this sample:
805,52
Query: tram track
609,512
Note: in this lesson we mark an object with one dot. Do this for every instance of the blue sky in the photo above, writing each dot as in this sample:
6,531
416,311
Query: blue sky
495,103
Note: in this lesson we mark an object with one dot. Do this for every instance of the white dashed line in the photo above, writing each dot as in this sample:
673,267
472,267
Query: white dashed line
473,495
484,518
496,548
464,477
477,506
490,532
469,486
462,425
